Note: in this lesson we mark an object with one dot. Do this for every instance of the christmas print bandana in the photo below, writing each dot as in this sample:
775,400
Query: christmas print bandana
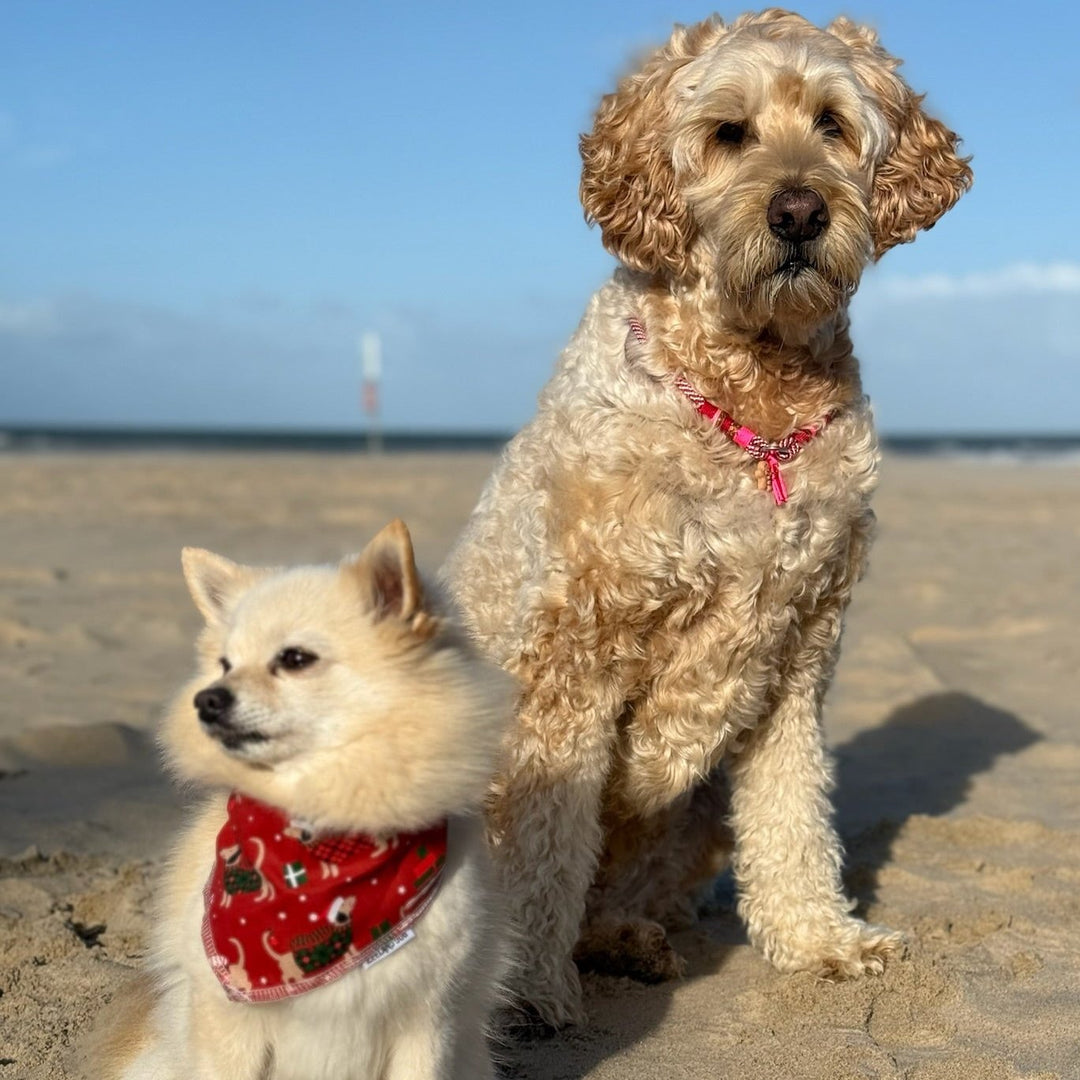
288,910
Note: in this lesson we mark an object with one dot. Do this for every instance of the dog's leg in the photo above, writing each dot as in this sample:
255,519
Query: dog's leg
708,681
651,881
547,834
227,1041
787,854
545,812
422,1052
673,869
664,807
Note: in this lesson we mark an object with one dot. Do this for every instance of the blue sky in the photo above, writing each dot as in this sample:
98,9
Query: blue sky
204,204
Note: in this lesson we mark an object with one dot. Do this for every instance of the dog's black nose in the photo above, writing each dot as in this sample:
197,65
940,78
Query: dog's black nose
213,704
797,214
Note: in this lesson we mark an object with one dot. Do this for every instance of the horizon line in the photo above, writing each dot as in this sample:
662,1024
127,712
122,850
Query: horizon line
20,435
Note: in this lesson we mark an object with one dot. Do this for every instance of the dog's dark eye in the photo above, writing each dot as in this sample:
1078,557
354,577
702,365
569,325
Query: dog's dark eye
226,667
293,659
829,126
731,134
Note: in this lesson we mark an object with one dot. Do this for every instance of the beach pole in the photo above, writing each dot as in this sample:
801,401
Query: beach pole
370,377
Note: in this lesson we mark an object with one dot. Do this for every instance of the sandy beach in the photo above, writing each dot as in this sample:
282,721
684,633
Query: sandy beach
953,719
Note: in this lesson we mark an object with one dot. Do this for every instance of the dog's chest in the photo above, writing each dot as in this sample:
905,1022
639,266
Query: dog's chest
747,574
750,547
734,538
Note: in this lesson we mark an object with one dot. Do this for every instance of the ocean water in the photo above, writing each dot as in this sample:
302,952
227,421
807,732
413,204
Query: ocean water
1003,448
45,439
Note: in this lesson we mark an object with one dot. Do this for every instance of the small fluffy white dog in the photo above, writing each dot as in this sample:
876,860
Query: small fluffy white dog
328,912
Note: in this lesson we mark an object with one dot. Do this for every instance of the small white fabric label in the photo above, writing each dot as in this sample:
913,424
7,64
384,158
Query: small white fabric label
387,945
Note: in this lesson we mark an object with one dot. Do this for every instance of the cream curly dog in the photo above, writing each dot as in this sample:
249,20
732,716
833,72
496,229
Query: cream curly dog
663,556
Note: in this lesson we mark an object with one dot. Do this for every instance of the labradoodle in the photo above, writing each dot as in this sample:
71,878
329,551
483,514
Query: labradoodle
663,556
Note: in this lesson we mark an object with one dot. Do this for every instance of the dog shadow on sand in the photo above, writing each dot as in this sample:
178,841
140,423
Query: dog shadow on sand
921,760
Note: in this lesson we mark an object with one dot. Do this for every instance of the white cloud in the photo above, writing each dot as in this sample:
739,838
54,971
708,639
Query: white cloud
1005,281
995,350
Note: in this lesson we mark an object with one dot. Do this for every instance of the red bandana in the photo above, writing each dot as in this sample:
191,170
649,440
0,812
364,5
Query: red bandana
288,911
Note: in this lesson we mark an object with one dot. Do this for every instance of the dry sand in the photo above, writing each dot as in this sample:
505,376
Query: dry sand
954,720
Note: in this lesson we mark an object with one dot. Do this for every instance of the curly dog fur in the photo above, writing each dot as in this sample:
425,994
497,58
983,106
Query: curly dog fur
673,630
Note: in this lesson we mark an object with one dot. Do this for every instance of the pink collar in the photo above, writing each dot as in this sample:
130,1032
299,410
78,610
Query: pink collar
287,910
773,454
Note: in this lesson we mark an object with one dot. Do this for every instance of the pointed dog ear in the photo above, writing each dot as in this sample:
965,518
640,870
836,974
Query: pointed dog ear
628,184
922,175
387,574
214,581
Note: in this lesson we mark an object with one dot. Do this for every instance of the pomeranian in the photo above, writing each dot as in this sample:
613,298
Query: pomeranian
329,912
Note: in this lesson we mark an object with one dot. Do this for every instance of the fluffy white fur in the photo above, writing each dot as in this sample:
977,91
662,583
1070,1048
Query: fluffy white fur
394,727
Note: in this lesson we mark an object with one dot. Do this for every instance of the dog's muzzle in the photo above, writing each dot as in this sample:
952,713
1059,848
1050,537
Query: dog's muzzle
215,708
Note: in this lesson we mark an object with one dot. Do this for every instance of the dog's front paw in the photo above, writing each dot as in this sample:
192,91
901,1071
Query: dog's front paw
866,954
634,947
845,949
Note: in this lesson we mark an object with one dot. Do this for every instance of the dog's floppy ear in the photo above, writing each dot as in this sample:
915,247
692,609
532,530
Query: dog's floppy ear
386,571
213,580
628,184
923,175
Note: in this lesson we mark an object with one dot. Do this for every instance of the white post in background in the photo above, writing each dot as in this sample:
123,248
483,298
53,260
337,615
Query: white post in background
370,376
